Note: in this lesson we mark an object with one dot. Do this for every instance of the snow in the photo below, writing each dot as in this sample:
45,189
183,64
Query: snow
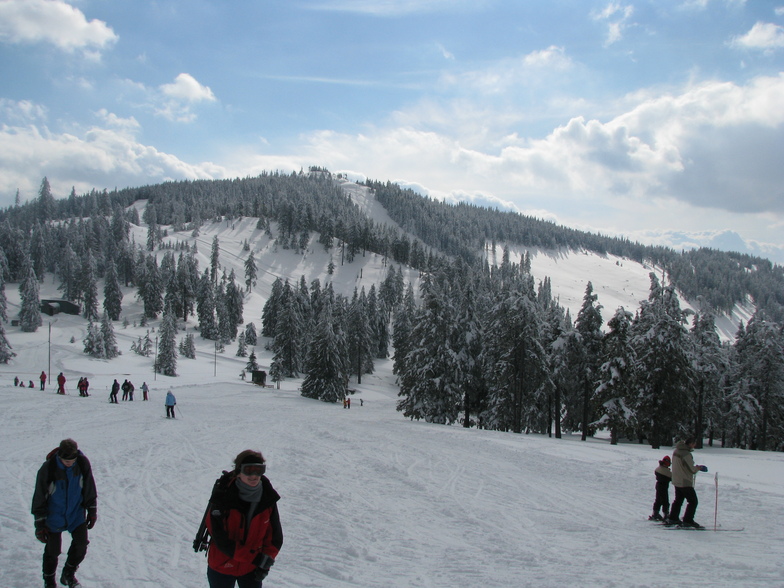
369,498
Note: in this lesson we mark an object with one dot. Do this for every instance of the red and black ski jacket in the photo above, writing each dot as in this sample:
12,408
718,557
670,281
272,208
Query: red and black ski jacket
237,542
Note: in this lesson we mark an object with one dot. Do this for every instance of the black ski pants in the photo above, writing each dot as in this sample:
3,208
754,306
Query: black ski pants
76,551
688,494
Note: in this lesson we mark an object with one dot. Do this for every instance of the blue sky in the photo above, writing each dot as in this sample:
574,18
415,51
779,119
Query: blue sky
659,120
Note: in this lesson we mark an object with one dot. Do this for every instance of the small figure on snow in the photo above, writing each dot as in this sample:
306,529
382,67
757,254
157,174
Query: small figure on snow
145,391
60,384
65,499
683,473
113,393
16,380
42,377
244,523
171,402
663,479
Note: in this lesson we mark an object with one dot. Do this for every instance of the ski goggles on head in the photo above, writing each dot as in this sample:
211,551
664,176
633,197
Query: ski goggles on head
253,469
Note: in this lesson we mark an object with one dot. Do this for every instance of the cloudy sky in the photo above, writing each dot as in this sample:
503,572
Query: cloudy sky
659,120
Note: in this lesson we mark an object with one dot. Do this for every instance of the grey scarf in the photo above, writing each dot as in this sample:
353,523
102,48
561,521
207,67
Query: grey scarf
250,494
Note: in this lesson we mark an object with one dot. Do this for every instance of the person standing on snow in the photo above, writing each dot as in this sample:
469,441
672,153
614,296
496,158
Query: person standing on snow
244,523
42,377
60,384
171,402
65,499
663,479
113,393
683,473
145,391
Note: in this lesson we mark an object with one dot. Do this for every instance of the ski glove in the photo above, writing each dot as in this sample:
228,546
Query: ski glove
702,468
41,532
264,563
92,517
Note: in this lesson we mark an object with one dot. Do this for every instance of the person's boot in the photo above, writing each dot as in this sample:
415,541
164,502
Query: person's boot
49,581
68,579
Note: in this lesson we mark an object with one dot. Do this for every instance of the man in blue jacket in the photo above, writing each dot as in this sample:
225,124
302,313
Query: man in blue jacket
65,499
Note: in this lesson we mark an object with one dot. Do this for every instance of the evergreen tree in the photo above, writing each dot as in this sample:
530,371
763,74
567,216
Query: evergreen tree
242,348
30,313
710,364
93,341
109,340
5,347
46,203
112,301
269,314
214,260
251,338
251,272
589,327
151,288
188,347
3,299
325,380
360,341
252,364
90,287
205,308
760,356
665,373
166,362
616,378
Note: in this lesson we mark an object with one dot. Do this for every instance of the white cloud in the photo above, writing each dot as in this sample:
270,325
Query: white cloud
617,17
54,22
106,154
187,89
763,35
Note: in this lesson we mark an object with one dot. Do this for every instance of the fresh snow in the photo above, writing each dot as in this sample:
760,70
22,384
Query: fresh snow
369,498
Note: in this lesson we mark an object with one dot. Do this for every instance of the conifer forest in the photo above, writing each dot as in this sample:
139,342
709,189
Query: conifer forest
480,342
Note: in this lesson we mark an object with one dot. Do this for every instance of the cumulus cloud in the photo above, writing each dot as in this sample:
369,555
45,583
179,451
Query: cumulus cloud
106,154
177,99
54,22
763,35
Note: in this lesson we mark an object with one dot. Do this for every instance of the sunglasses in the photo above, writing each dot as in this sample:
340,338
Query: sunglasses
253,469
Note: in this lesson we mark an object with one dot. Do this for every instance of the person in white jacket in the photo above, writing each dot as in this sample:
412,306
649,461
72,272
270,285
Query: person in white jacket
683,472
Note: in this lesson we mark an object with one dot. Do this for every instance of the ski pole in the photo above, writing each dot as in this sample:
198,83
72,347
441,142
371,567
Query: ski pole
716,505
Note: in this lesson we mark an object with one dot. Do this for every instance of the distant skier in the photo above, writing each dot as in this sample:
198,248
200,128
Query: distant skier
683,473
125,388
113,393
16,380
171,402
65,499
145,391
663,479
83,385
130,391
42,377
61,383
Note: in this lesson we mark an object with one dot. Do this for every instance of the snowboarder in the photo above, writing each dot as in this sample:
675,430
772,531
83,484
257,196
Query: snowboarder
65,499
244,523
115,390
171,402
42,377
683,474
145,390
60,383
663,479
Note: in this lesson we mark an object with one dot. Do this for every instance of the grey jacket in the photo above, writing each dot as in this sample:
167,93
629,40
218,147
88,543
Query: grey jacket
683,468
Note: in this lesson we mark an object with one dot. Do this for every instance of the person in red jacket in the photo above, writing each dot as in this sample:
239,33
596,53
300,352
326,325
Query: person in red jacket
61,383
244,524
42,377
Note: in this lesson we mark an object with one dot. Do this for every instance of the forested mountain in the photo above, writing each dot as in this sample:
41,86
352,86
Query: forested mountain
482,344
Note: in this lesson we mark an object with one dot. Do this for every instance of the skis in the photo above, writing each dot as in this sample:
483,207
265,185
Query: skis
681,528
